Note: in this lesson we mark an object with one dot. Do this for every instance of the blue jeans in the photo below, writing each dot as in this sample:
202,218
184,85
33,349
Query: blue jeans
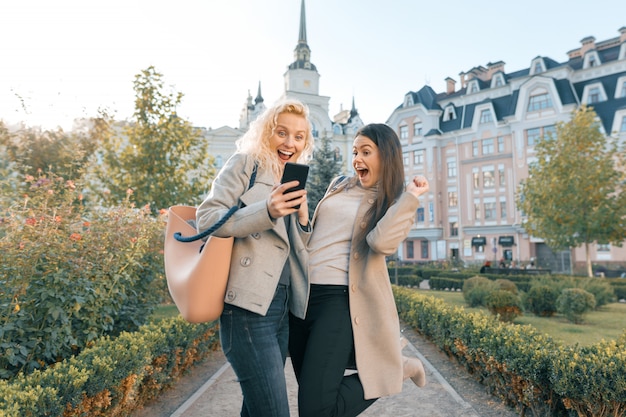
256,347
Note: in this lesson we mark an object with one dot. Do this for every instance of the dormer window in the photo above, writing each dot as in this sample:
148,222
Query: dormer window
537,67
539,102
594,93
408,100
497,80
591,59
473,86
485,116
449,114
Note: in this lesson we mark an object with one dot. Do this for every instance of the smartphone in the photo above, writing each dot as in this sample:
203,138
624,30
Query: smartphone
293,172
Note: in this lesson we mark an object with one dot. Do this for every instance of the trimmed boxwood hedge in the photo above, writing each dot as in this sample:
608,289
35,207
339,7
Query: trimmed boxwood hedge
112,377
525,368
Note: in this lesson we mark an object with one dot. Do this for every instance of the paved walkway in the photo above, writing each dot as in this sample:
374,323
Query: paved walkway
221,396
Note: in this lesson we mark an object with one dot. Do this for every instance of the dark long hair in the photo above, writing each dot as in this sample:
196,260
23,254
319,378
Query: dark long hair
391,181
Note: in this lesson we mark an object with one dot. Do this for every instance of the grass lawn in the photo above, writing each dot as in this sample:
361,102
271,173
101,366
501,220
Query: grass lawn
609,322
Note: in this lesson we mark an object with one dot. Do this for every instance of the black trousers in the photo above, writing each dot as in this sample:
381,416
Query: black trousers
322,348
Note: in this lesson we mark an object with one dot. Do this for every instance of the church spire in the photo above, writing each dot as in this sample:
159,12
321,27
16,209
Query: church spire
259,97
302,34
302,53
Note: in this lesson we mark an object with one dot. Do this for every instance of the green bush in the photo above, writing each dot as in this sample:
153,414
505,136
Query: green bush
113,377
70,275
476,289
541,300
601,289
505,304
507,285
573,303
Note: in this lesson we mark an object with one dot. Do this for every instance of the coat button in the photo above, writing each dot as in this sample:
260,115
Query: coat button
363,225
356,255
353,287
371,201
256,235
356,320
230,296
245,261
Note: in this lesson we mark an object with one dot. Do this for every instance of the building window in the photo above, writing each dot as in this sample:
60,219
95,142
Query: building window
623,127
501,177
594,95
539,102
404,132
485,116
476,178
405,158
623,93
500,144
431,212
424,249
490,211
450,114
549,132
454,228
474,87
538,68
452,169
489,180
532,136
417,129
499,81
503,210
453,199
418,157
604,247
219,162
420,215
477,213
487,146
410,250
475,148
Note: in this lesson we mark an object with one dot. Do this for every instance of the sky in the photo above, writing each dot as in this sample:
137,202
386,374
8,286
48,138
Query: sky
65,59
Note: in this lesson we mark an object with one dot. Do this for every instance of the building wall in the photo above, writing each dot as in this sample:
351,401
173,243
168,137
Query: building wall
479,161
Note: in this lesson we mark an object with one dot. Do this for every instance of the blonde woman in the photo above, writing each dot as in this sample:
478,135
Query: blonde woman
267,274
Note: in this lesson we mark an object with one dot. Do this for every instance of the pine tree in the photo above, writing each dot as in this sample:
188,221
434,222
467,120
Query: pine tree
324,167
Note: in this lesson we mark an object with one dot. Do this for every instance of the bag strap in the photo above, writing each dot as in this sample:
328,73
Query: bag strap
221,221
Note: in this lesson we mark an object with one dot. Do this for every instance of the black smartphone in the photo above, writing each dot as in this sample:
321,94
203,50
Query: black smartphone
293,172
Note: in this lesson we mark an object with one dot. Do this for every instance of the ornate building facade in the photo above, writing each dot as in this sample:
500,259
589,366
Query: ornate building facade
475,142
301,81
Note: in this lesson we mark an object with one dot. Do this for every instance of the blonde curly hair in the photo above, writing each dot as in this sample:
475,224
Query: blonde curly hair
256,141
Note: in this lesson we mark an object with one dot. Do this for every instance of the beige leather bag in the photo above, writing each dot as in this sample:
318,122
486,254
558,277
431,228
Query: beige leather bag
196,271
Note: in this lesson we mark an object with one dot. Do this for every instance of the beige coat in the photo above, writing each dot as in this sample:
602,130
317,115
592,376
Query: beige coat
375,322
261,245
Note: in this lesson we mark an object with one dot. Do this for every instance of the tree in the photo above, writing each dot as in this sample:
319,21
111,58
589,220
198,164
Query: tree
33,150
324,167
158,157
573,195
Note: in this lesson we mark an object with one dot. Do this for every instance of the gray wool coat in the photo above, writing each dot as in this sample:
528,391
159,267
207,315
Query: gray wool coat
261,245
375,322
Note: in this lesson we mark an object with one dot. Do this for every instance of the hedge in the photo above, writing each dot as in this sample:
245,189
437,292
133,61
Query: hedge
525,368
112,377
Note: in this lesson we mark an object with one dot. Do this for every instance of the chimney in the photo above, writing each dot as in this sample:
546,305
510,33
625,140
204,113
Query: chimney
622,33
450,83
589,43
